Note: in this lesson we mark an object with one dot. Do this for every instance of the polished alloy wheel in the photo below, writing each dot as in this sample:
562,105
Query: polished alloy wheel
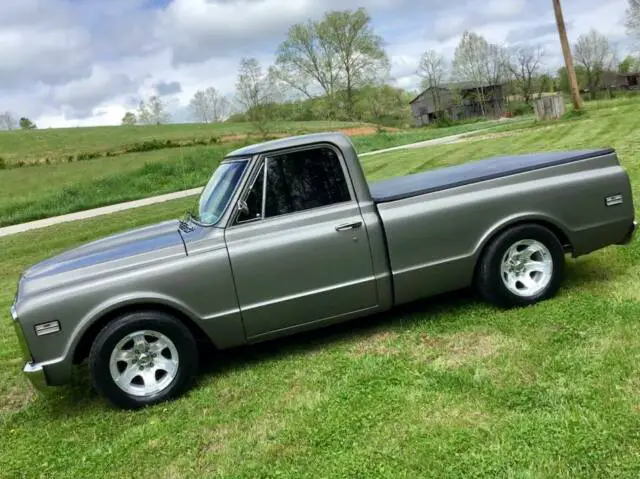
144,363
527,268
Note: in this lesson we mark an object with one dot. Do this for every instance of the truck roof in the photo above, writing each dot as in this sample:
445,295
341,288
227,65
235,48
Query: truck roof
336,138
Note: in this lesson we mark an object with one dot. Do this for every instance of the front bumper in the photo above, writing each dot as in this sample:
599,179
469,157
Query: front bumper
34,371
630,235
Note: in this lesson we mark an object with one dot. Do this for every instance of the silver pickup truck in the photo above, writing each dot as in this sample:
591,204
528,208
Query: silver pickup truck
289,236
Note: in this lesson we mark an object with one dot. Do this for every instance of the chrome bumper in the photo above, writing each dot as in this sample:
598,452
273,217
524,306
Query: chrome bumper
34,372
630,235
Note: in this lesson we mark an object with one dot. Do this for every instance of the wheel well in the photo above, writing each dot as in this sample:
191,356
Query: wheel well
561,235
84,346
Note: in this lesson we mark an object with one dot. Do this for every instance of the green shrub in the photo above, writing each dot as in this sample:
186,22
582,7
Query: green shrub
519,108
3,164
574,114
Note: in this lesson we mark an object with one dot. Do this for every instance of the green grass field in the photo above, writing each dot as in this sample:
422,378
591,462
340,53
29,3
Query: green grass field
449,387
59,143
42,191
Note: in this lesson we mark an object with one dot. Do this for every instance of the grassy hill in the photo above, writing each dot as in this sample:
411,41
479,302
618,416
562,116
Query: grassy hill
96,175
58,145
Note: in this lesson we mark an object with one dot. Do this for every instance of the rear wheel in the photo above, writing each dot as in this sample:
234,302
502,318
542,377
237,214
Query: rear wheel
522,266
143,359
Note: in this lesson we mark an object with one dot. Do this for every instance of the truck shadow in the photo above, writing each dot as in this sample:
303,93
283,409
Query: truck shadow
213,362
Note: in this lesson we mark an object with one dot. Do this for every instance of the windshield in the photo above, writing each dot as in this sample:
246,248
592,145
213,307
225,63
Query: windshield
216,195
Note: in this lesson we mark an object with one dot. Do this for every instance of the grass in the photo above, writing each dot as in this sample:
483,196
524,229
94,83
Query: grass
57,144
37,192
449,387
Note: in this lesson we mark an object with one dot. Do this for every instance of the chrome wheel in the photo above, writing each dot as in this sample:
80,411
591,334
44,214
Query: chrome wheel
527,268
144,363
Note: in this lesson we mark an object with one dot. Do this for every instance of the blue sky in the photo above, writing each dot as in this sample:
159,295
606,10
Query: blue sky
85,62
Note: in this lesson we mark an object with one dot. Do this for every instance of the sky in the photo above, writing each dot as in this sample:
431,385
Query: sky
69,63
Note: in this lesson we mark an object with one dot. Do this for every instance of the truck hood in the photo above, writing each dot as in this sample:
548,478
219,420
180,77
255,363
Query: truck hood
126,250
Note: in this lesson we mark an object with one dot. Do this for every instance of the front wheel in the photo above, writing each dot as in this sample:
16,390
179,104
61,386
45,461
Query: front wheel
522,266
142,359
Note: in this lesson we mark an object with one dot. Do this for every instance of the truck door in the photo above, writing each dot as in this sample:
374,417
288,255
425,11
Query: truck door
299,251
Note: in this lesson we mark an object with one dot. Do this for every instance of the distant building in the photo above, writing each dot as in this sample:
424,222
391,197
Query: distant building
458,101
629,81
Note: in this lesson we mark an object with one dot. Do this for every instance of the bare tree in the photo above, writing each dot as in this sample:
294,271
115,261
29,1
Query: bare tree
8,121
152,111
525,66
594,52
256,93
633,20
432,69
470,63
209,106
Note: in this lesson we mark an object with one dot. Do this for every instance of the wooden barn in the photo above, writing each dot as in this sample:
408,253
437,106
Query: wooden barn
458,101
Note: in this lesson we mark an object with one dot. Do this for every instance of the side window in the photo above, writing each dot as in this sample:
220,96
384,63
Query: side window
254,200
303,180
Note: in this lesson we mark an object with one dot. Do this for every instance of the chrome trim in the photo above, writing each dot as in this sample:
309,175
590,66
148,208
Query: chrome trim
36,375
50,327
22,341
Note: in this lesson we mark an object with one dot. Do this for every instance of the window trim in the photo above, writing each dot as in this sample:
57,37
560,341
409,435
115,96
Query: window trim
263,161
261,169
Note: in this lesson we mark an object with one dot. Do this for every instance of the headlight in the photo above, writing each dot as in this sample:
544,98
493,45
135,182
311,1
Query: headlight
14,313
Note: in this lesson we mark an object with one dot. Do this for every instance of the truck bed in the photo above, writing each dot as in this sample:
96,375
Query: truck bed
473,172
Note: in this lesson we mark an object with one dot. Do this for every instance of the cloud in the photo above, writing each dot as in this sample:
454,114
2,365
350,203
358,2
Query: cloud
71,62
171,88
81,98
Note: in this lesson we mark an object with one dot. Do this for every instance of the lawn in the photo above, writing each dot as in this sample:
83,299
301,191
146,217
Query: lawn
448,387
62,142
36,192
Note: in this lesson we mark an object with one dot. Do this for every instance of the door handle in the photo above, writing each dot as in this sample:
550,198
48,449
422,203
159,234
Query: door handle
349,226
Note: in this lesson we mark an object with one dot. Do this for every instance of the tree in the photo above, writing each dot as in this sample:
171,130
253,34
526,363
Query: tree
525,66
340,53
209,106
152,111
359,50
563,79
629,65
307,61
633,19
432,69
594,53
26,124
129,119
256,93
479,62
8,121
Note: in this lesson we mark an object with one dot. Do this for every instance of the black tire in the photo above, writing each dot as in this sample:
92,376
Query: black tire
115,331
489,282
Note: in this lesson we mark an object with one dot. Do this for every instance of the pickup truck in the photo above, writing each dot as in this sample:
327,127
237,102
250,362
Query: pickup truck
288,236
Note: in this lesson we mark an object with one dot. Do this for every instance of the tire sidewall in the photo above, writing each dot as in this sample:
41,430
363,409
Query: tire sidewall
108,339
492,268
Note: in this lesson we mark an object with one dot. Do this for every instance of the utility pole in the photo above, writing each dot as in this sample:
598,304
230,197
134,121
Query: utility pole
568,58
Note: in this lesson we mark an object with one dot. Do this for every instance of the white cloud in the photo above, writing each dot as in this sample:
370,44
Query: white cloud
70,63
